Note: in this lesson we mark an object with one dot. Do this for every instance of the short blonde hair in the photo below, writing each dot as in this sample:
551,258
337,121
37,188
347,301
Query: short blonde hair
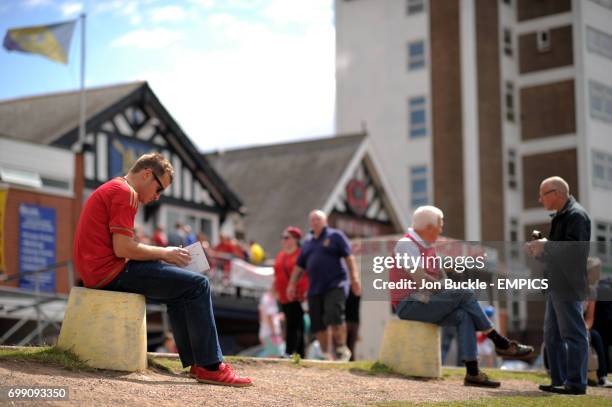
426,215
156,162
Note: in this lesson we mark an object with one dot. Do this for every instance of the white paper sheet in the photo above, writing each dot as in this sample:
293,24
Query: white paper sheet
198,263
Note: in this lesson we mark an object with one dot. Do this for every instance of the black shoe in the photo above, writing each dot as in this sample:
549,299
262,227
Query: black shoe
567,390
516,351
479,380
546,387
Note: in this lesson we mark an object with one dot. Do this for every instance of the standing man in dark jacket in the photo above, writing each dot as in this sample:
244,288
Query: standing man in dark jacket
565,256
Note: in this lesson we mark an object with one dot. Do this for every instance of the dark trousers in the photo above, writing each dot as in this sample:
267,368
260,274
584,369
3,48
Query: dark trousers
598,345
188,298
566,341
352,335
294,335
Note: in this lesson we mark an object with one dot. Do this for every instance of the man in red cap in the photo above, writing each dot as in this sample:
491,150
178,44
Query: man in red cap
283,266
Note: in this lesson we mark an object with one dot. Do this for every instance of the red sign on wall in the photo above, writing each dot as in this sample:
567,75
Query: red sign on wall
357,196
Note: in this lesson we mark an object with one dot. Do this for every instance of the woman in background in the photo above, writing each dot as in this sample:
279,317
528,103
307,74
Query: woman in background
283,267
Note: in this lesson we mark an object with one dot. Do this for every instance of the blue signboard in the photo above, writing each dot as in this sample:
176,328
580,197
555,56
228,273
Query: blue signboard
37,237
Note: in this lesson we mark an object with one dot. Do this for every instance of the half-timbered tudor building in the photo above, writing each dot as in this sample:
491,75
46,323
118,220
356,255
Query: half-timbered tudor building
281,183
124,122
44,170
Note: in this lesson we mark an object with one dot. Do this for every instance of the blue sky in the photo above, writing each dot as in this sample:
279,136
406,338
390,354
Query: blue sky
231,72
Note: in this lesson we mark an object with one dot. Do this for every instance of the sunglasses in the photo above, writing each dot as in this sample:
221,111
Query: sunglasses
161,186
285,237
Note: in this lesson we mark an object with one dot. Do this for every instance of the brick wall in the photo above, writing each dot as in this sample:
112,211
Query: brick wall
538,167
560,53
528,9
446,107
489,121
548,110
64,209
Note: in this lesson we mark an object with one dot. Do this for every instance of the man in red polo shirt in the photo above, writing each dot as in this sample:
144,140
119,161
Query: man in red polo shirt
107,257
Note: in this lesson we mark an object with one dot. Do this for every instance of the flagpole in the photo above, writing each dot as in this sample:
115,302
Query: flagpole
82,119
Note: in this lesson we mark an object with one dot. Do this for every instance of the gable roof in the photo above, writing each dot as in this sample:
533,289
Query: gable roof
54,119
43,119
281,183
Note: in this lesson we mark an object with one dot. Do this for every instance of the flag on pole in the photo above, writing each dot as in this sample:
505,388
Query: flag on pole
51,41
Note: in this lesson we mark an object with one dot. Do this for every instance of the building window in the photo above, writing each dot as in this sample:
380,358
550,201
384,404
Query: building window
416,55
418,186
513,230
515,251
602,169
543,38
603,237
507,42
414,6
509,101
601,101
599,42
512,169
199,222
417,117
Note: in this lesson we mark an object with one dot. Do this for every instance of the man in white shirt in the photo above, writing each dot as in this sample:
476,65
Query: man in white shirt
446,307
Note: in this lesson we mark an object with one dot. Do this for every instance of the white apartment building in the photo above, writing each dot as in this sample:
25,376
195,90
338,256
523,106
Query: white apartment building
469,104
460,95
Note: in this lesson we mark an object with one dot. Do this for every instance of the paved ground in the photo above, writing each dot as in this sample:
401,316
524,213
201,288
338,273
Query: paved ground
276,384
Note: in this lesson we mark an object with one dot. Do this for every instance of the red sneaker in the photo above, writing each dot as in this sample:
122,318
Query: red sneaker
225,376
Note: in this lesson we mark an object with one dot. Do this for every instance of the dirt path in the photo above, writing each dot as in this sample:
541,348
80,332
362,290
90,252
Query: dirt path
276,384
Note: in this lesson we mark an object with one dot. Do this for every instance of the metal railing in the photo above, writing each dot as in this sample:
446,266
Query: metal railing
39,298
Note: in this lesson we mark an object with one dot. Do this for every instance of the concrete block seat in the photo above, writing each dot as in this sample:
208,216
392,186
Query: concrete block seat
412,348
106,329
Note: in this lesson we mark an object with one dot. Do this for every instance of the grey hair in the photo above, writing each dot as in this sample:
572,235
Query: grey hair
319,214
559,184
426,215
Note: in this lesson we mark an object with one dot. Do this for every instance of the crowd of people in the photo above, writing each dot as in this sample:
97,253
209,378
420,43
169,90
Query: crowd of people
182,235
319,310
316,275
570,299
315,298
317,285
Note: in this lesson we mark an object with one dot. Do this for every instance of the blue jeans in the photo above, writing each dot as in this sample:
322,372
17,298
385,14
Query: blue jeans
188,297
451,308
566,341
448,335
